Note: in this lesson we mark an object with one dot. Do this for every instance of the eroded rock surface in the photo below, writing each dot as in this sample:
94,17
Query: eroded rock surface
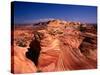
60,46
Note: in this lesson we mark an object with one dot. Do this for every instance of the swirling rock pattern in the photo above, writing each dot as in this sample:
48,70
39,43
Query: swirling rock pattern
61,46
19,62
63,53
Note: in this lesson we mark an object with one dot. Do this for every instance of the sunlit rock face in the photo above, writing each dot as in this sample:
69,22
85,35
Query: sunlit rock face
20,63
61,46
61,51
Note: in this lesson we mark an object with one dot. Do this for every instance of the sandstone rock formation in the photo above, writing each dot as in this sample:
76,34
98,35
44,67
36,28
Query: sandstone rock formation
19,62
61,46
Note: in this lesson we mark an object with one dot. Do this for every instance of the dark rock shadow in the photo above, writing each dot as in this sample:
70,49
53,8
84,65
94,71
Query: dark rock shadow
34,51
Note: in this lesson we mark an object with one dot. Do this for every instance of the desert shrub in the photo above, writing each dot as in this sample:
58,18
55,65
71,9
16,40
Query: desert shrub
55,31
82,28
21,42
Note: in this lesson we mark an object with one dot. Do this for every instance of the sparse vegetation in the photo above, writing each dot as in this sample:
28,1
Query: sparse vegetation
21,42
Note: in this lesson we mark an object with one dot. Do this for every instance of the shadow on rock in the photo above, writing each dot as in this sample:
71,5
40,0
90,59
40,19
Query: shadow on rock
34,50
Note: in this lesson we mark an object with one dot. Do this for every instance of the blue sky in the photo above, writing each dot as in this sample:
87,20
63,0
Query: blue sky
27,12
